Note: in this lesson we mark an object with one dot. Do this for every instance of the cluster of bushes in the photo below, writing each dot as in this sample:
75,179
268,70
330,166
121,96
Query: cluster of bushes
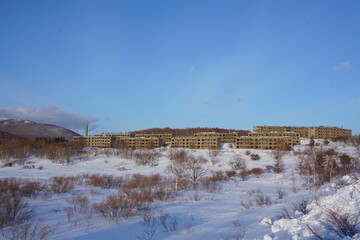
17,216
321,166
256,198
58,150
135,197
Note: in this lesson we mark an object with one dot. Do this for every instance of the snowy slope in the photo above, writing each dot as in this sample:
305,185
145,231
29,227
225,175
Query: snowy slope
200,214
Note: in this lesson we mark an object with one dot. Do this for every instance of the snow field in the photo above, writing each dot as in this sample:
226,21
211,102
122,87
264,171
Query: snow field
197,214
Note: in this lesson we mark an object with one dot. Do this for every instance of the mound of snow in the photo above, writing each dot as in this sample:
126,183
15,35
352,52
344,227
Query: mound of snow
342,201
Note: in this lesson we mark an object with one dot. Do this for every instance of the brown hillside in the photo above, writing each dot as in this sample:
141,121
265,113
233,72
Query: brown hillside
32,130
189,131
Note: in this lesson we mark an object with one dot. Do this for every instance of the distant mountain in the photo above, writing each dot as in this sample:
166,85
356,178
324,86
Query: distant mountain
11,128
189,131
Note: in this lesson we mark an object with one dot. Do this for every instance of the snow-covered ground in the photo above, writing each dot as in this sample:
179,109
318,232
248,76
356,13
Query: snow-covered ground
226,213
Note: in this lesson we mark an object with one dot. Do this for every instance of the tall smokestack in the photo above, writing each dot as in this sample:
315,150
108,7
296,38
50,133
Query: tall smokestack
87,130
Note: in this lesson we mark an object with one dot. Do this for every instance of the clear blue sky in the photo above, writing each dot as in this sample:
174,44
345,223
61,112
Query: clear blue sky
130,65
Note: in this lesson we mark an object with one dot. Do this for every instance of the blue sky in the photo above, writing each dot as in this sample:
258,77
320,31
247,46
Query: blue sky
131,65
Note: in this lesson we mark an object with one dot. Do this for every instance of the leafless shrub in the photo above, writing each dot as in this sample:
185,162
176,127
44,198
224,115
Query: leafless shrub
213,155
230,174
257,171
146,157
210,183
63,153
14,209
105,181
237,162
84,155
114,207
173,225
301,206
255,157
62,184
343,224
245,173
80,203
280,193
189,228
262,200
108,152
246,205
28,231
247,152
240,231
279,165
70,212
284,214
126,153
31,188
94,192
163,218
9,186
143,190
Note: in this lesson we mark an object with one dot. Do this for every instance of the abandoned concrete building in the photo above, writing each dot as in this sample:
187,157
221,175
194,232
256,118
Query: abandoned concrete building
95,141
224,137
320,132
263,137
166,137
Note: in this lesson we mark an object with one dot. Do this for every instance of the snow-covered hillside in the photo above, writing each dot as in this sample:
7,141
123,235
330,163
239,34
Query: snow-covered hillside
233,208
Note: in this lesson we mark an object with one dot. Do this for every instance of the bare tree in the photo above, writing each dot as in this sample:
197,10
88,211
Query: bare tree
237,162
194,168
213,155
177,166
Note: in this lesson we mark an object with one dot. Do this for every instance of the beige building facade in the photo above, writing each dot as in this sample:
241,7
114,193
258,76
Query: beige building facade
307,132
303,131
224,137
252,142
195,142
96,141
166,137
139,142
328,132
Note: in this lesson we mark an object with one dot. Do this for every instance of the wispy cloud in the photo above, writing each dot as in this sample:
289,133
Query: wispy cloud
238,100
231,88
50,115
249,75
192,68
343,66
208,102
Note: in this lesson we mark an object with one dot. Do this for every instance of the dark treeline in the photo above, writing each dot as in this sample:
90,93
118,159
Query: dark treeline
57,149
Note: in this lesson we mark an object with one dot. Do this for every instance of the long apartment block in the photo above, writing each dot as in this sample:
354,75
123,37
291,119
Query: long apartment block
139,142
195,142
259,142
166,137
293,135
328,132
96,141
224,137
307,132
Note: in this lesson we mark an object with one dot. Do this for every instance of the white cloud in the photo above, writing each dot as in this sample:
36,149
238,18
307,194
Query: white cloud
192,68
231,88
237,100
50,115
343,66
